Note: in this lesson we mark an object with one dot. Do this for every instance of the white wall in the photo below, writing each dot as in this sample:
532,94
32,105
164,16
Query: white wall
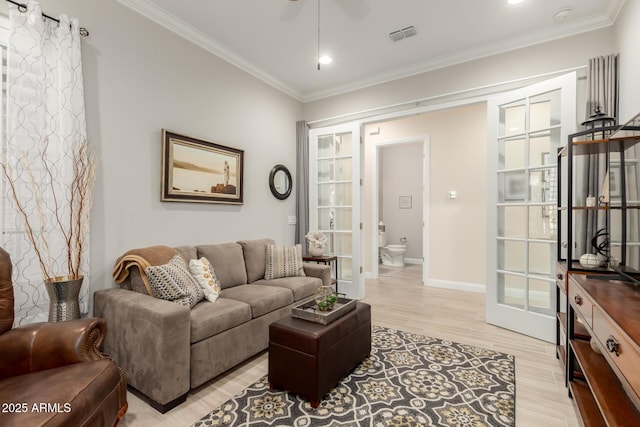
140,78
401,175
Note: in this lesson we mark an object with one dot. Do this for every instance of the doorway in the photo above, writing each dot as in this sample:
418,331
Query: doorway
400,204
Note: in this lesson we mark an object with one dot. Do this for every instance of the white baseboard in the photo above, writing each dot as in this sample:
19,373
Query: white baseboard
459,286
413,261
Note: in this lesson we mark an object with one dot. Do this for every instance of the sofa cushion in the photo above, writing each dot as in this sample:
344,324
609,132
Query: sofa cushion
173,282
211,318
255,252
202,270
187,252
262,299
301,287
283,261
227,260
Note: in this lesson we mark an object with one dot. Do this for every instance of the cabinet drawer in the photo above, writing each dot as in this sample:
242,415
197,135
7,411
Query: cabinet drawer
620,350
581,302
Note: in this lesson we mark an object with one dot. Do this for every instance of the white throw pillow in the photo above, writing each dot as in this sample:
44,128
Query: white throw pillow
202,270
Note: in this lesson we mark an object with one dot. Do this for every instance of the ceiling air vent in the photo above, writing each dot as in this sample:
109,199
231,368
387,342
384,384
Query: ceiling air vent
403,33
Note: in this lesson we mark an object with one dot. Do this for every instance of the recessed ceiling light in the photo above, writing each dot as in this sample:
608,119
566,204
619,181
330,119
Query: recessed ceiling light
514,1
325,59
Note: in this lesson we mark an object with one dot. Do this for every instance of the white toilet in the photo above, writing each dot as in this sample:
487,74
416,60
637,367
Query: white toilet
391,254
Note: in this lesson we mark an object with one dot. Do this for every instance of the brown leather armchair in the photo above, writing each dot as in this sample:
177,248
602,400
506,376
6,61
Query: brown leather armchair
53,374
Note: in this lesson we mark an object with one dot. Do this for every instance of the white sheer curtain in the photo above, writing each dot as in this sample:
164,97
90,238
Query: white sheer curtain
45,106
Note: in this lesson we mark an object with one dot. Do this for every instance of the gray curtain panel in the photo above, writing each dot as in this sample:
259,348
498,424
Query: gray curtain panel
602,91
302,182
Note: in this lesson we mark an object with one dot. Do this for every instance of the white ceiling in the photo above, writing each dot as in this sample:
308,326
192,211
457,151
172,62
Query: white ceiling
277,40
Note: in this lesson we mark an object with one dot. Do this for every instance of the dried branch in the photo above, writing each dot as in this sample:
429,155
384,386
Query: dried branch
69,206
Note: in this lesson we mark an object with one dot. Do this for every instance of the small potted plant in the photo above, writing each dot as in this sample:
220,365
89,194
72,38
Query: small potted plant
317,241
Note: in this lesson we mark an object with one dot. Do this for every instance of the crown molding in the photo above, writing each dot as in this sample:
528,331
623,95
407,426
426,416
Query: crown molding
535,38
555,32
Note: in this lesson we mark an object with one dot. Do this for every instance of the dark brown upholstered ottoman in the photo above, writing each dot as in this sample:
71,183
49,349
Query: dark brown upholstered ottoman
309,358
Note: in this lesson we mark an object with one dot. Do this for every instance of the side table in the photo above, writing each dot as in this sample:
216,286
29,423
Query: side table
330,260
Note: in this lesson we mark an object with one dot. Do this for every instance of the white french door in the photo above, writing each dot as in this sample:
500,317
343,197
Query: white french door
335,199
525,129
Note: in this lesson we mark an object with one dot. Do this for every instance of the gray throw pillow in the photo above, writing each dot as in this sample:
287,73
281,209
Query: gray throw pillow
173,282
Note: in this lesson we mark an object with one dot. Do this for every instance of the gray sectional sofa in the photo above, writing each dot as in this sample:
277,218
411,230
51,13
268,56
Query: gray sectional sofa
166,349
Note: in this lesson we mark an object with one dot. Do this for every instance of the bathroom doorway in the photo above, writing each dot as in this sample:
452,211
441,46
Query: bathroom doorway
400,200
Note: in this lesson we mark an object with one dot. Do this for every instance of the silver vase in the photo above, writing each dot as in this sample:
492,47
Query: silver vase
63,298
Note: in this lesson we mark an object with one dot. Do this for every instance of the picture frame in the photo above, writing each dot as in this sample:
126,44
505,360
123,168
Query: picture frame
405,202
200,171
614,182
515,187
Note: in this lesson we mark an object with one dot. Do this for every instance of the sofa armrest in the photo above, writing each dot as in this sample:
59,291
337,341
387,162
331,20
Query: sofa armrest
150,339
321,271
39,346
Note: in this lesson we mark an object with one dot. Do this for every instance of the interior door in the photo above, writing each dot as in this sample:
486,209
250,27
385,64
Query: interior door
525,129
335,199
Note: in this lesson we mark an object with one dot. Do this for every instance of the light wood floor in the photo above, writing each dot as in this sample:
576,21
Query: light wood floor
399,300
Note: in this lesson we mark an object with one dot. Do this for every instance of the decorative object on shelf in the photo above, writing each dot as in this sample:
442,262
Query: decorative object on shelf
604,194
589,261
594,345
194,170
599,121
317,241
71,208
591,201
63,294
325,297
600,243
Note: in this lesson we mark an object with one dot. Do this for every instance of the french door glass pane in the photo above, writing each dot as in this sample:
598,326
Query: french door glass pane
512,187
543,147
342,195
512,290
345,268
343,219
326,195
544,111
511,255
325,170
541,296
343,243
325,146
542,223
343,169
343,144
512,221
512,118
541,258
511,152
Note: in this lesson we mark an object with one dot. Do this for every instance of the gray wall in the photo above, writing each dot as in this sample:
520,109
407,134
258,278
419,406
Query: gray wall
140,78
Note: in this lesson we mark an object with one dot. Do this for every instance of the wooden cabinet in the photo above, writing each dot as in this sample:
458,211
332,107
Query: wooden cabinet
598,306
602,327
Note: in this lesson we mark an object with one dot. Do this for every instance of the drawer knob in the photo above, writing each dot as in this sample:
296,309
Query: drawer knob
578,299
560,276
612,345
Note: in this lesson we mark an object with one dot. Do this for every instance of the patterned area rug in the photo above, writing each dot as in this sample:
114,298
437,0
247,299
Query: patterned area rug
409,380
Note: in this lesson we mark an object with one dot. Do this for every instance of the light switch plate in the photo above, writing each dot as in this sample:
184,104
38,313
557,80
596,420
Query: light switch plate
292,220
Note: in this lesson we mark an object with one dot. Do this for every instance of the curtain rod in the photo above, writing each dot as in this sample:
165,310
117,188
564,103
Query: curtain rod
23,8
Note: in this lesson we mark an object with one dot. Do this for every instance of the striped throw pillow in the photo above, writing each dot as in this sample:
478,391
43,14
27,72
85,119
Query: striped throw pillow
283,261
